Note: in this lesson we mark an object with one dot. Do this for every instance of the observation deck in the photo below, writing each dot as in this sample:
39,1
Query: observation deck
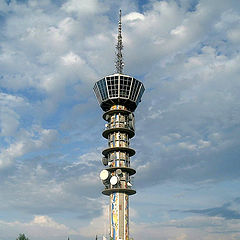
118,89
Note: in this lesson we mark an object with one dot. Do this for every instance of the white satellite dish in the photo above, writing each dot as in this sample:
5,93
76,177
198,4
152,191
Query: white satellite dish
119,172
129,184
113,180
104,174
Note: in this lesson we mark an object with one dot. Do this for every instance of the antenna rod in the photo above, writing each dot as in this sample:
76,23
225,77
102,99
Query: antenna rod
119,62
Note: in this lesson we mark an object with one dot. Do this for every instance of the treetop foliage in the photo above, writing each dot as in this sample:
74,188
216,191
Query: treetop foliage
22,237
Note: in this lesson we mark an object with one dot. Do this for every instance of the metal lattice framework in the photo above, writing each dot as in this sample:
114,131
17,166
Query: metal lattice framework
119,61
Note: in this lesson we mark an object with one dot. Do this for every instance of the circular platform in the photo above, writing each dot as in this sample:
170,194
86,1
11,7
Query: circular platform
119,149
110,112
118,129
131,171
119,190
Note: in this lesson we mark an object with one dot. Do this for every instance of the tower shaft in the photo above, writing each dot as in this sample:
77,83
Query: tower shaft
118,154
119,217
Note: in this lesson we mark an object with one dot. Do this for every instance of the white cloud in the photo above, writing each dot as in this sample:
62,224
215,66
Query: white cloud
10,100
45,221
133,16
9,119
40,227
179,31
83,7
188,146
234,35
204,228
9,122
72,58
28,141
98,226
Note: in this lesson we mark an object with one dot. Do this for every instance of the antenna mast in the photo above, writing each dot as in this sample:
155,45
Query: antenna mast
119,62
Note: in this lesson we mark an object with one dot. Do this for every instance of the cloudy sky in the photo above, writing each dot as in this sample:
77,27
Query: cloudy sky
187,54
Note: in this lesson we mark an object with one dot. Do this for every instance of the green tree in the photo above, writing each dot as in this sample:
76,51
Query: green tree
22,237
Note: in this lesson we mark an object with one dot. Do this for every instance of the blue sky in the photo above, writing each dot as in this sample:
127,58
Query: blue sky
186,52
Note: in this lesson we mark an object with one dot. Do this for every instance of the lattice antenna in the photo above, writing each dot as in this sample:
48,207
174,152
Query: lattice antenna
119,58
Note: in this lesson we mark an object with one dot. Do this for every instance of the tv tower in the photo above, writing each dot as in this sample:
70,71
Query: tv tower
118,95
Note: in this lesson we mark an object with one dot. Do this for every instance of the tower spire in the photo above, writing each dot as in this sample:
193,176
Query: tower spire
119,58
